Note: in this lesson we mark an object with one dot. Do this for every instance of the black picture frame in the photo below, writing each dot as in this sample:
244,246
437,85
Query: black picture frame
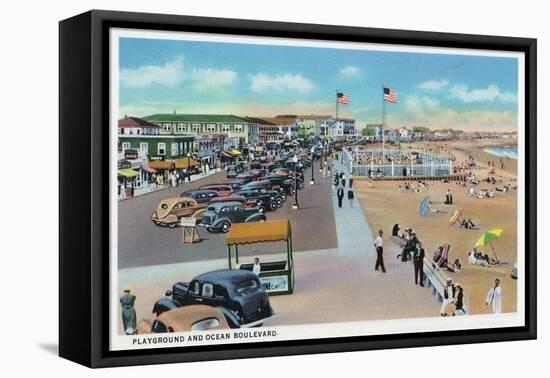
84,212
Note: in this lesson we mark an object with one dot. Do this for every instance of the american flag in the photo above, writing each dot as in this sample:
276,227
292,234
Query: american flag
390,96
342,98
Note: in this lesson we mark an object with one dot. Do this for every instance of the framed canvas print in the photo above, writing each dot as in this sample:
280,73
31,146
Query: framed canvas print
234,188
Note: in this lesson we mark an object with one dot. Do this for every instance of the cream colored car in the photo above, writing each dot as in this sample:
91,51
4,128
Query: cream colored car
171,210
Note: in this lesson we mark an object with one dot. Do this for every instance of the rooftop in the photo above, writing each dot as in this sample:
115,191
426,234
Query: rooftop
200,118
130,122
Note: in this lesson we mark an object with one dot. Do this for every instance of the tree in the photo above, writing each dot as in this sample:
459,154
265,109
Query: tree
368,131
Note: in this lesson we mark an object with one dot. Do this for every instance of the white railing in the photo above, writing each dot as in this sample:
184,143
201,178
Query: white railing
400,170
425,166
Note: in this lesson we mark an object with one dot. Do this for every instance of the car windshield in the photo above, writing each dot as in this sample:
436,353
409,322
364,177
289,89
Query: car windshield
246,286
211,208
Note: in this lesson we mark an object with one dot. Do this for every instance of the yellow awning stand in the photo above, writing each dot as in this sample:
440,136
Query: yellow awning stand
127,173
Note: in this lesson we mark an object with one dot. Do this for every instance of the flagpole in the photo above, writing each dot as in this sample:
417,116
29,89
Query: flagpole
336,120
383,122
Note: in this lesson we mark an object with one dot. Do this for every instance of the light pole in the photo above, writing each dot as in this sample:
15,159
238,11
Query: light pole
295,205
189,166
312,181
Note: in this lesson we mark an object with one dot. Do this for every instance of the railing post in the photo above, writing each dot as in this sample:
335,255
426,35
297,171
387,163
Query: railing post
392,174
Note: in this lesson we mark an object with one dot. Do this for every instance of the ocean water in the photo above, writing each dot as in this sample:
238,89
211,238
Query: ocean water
505,152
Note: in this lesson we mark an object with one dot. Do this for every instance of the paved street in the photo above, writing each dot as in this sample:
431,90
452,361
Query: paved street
142,243
333,284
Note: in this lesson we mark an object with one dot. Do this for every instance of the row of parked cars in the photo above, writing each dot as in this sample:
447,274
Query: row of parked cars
245,198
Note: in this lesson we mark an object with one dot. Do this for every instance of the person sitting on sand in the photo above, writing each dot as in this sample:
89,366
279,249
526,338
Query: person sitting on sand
455,267
491,193
472,192
477,258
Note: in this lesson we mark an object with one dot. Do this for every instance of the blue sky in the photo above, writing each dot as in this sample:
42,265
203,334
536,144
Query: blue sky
434,90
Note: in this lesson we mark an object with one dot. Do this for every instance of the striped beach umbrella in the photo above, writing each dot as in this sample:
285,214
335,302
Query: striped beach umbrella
455,217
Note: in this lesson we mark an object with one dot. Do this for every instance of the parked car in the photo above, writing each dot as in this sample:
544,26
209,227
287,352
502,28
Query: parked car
169,211
201,196
259,172
184,319
219,216
246,176
265,185
276,181
231,171
236,198
265,200
222,189
238,294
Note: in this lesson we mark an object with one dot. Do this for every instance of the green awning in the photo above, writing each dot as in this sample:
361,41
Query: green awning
127,173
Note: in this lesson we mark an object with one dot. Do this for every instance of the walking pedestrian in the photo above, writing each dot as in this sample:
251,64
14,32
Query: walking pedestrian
494,297
340,195
448,296
379,245
418,259
128,312
343,179
351,195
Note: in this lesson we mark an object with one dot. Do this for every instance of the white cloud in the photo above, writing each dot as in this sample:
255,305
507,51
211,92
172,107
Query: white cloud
433,85
208,78
491,93
421,103
286,82
349,71
168,75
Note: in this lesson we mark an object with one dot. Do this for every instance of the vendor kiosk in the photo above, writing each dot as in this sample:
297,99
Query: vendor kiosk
277,277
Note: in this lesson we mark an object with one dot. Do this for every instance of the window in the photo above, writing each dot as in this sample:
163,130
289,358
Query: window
161,148
138,131
175,149
144,146
207,290
246,286
203,325
125,146
238,128
225,128
182,127
194,288
120,131
196,127
211,127
167,126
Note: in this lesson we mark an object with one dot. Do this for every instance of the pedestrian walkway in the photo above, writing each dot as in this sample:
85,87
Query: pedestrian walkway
353,231
147,189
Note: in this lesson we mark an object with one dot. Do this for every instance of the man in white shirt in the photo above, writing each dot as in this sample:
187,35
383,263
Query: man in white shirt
494,297
256,268
379,245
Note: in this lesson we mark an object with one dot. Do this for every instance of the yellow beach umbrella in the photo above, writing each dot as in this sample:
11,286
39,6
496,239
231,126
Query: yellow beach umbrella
488,237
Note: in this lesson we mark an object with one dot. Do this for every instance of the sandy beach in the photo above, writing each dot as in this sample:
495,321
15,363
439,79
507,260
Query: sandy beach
385,205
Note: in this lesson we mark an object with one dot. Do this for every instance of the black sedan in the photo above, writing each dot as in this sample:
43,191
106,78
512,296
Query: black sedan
238,294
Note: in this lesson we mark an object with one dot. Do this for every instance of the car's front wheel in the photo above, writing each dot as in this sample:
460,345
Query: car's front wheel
225,226
273,205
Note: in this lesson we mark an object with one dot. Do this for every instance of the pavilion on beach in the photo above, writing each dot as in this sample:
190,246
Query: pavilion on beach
388,164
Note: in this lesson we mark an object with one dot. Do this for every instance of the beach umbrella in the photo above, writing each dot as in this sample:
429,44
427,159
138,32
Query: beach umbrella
455,217
424,206
488,237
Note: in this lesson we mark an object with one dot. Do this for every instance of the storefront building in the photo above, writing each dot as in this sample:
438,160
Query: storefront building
234,129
